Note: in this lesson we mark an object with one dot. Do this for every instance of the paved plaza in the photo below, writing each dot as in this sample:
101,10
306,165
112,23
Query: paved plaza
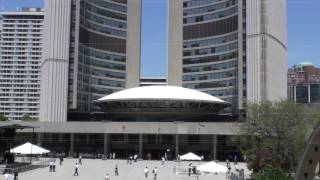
97,169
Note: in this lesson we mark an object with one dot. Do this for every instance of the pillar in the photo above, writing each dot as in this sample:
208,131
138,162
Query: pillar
177,145
140,145
295,93
105,144
87,138
214,147
71,149
39,137
309,94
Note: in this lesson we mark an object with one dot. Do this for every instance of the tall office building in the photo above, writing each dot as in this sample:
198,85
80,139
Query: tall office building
21,50
92,48
233,49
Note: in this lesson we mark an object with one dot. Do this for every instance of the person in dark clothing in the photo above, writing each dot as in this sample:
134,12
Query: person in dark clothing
189,172
15,174
61,160
116,171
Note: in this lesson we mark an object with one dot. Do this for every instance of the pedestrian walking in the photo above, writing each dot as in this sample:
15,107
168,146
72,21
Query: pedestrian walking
235,159
15,174
162,160
6,176
155,173
146,172
116,171
189,171
76,169
61,160
107,177
54,166
50,165
80,160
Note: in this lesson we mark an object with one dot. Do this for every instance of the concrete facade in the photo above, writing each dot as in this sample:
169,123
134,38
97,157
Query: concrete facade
54,68
21,51
266,50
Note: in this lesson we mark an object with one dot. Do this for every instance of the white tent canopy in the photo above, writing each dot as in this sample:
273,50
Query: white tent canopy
190,157
29,148
212,167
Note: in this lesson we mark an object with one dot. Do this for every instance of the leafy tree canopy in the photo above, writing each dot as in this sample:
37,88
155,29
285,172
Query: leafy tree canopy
274,135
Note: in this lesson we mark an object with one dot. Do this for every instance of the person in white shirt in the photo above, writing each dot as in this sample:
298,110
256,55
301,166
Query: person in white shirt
155,172
146,172
107,177
76,167
6,176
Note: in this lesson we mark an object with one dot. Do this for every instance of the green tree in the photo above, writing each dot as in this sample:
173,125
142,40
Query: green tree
274,134
26,117
3,117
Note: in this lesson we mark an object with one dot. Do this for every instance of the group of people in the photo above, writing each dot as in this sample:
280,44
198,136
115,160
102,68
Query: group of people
131,159
154,172
52,165
7,176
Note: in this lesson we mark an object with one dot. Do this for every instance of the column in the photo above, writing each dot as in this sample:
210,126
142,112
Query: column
105,144
87,138
309,94
214,147
71,149
177,145
39,137
141,146
295,93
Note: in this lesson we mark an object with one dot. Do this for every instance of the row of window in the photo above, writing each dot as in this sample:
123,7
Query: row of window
20,90
22,21
100,63
223,92
21,95
212,50
215,58
103,73
18,71
190,3
212,16
112,83
211,67
210,76
101,54
20,53
210,8
19,76
204,85
23,39
105,21
20,85
102,91
211,41
109,5
103,12
34,62
102,29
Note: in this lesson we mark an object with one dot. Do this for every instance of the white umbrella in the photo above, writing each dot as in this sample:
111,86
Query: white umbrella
190,157
212,167
29,148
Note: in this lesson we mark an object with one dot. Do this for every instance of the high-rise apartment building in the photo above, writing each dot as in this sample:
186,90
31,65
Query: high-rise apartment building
21,50
304,83
92,48
233,49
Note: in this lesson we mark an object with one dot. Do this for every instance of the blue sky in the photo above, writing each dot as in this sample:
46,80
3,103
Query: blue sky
303,32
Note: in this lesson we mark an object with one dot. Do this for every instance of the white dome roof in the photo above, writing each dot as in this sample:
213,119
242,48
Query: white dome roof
160,93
